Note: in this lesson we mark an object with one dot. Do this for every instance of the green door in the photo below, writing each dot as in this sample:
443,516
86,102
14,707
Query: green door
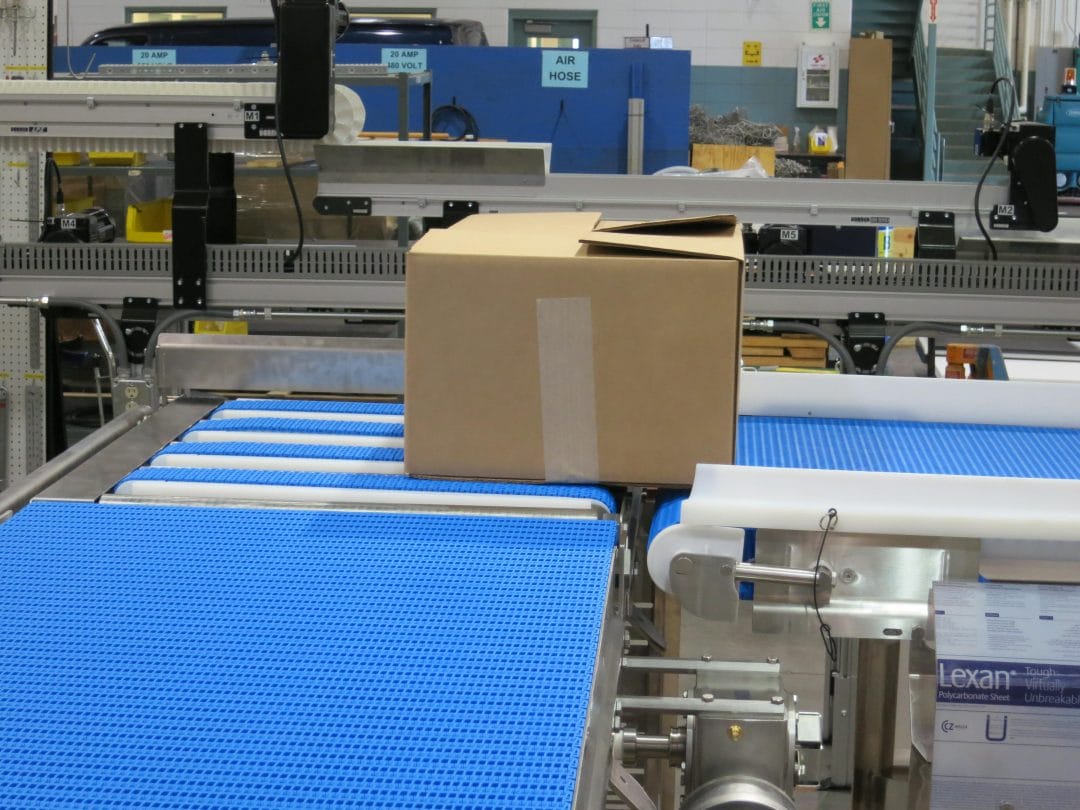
572,30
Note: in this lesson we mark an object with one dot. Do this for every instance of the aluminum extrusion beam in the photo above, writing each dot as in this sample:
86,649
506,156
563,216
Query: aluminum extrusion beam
260,71
372,275
810,202
140,115
354,276
221,292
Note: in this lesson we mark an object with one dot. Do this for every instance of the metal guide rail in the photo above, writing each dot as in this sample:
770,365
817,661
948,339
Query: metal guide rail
262,71
946,290
1007,291
347,173
326,276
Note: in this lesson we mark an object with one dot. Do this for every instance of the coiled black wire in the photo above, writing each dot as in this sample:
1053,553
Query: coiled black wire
451,118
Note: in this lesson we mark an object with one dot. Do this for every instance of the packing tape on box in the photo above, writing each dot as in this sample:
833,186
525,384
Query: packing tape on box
567,389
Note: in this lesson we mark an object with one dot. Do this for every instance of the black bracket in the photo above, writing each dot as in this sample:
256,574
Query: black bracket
221,205
343,206
935,235
191,200
456,210
137,320
864,337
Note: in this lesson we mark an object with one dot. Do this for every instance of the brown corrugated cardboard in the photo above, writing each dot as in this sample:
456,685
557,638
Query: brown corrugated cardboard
869,140
554,347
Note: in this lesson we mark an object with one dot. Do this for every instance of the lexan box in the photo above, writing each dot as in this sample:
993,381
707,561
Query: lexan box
555,347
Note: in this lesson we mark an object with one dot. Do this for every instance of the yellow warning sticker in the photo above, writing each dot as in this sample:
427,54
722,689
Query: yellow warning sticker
751,52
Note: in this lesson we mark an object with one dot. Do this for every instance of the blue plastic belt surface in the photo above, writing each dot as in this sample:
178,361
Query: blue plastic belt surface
668,513
397,483
317,426
316,451
314,406
913,447
190,658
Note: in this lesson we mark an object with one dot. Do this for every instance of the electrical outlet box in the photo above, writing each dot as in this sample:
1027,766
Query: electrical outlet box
819,76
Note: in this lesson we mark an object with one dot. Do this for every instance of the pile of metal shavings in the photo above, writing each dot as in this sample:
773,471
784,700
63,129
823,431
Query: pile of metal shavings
786,167
733,129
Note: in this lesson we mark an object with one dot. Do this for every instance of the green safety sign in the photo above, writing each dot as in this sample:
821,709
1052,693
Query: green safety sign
820,12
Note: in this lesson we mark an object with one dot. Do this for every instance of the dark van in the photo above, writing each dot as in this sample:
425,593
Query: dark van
261,33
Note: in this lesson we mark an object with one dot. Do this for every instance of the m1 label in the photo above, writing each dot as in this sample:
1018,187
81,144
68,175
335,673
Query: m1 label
153,56
404,60
260,121
564,69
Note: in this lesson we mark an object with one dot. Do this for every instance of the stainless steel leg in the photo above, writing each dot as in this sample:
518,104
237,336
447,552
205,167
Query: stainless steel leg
841,687
875,722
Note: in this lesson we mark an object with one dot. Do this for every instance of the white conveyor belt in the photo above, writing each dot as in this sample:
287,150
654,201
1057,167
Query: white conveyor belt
270,437
1016,518
322,416
281,463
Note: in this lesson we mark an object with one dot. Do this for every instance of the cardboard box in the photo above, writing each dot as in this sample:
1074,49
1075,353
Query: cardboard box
555,347
869,138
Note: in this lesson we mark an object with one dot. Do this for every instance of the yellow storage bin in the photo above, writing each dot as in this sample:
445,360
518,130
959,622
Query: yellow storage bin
221,328
117,158
67,158
78,203
150,222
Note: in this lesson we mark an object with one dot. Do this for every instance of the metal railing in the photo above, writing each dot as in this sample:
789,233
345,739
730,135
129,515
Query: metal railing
1002,63
990,17
924,56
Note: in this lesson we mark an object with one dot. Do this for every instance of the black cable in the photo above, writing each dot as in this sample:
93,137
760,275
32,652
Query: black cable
993,159
174,318
293,257
846,360
827,524
54,169
457,117
911,328
102,314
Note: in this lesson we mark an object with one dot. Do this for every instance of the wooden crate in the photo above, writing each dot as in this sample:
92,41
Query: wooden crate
720,156
792,350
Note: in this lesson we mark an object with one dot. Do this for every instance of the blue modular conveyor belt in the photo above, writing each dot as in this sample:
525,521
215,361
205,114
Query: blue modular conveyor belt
913,447
846,444
234,658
